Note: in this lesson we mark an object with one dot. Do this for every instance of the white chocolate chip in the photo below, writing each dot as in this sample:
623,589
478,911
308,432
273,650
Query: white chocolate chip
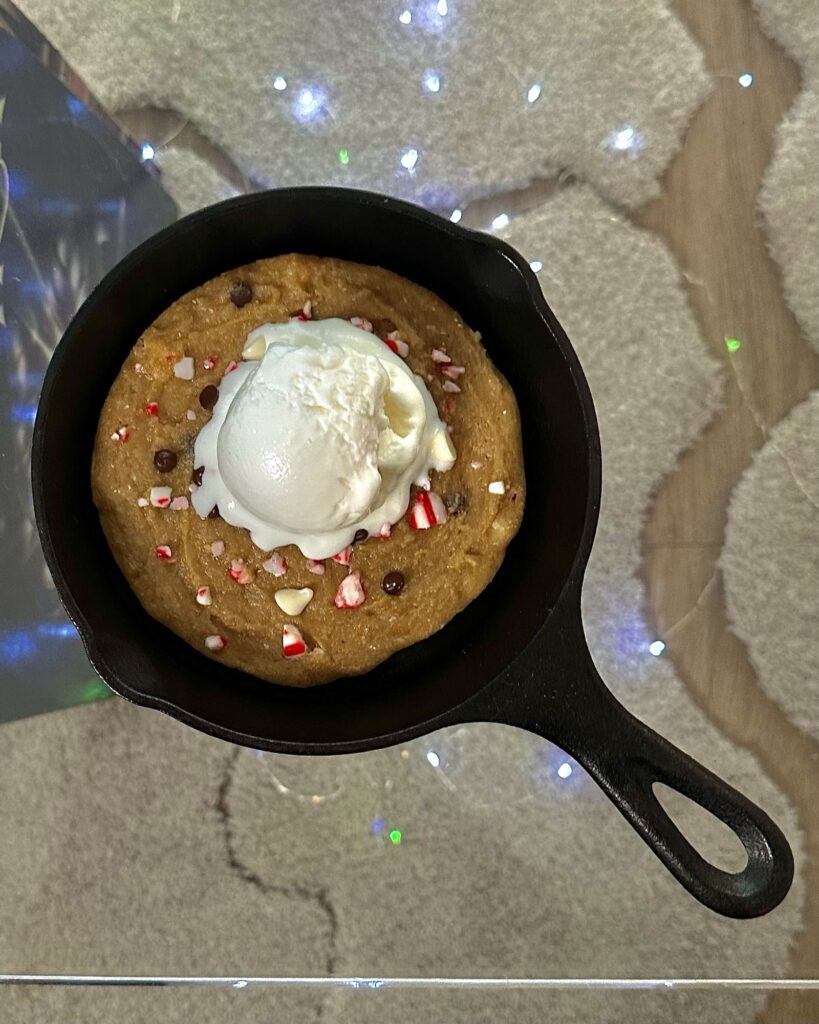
255,349
184,368
293,602
497,487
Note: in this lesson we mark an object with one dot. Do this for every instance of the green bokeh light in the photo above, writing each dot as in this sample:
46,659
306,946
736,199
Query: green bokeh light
94,689
733,344
343,156
395,836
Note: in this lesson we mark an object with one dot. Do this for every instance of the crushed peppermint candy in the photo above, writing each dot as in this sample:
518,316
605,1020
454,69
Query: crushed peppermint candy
293,645
450,385
343,556
350,593
475,464
164,552
315,566
120,434
276,565
184,368
215,642
139,368
428,509
452,371
161,497
143,502
151,408
305,313
362,322
209,363
239,571
191,414
231,366
179,503
203,596
217,548
497,487
385,531
440,355
399,347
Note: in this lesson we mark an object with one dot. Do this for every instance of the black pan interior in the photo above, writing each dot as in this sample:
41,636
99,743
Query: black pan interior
496,293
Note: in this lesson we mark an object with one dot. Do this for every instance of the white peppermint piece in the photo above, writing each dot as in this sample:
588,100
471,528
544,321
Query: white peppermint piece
184,368
497,487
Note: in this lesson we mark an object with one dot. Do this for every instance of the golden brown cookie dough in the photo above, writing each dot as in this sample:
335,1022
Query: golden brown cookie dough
145,440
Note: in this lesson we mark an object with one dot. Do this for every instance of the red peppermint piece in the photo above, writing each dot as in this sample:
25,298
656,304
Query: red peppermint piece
343,556
385,531
203,596
120,434
293,645
315,566
215,642
451,386
239,571
164,552
275,565
350,593
399,347
231,366
217,548
440,355
209,362
427,510
161,497
180,503
305,313
151,408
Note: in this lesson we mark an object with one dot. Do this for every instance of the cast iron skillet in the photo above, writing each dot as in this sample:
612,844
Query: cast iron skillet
516,655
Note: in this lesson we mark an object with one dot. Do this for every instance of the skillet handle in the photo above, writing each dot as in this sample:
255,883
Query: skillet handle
628,758
577,711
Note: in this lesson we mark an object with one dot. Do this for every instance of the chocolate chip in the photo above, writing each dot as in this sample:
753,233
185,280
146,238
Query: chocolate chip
383,326
196,475
240,294
165,460
393,583
214,512
360,535
455,503
209,396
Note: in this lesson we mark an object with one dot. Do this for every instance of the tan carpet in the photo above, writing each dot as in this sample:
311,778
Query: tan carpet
612,105
789,199
770,564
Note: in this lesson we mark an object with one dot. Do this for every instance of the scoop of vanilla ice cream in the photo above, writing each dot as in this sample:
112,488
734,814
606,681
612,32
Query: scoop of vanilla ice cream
319,433
299,446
